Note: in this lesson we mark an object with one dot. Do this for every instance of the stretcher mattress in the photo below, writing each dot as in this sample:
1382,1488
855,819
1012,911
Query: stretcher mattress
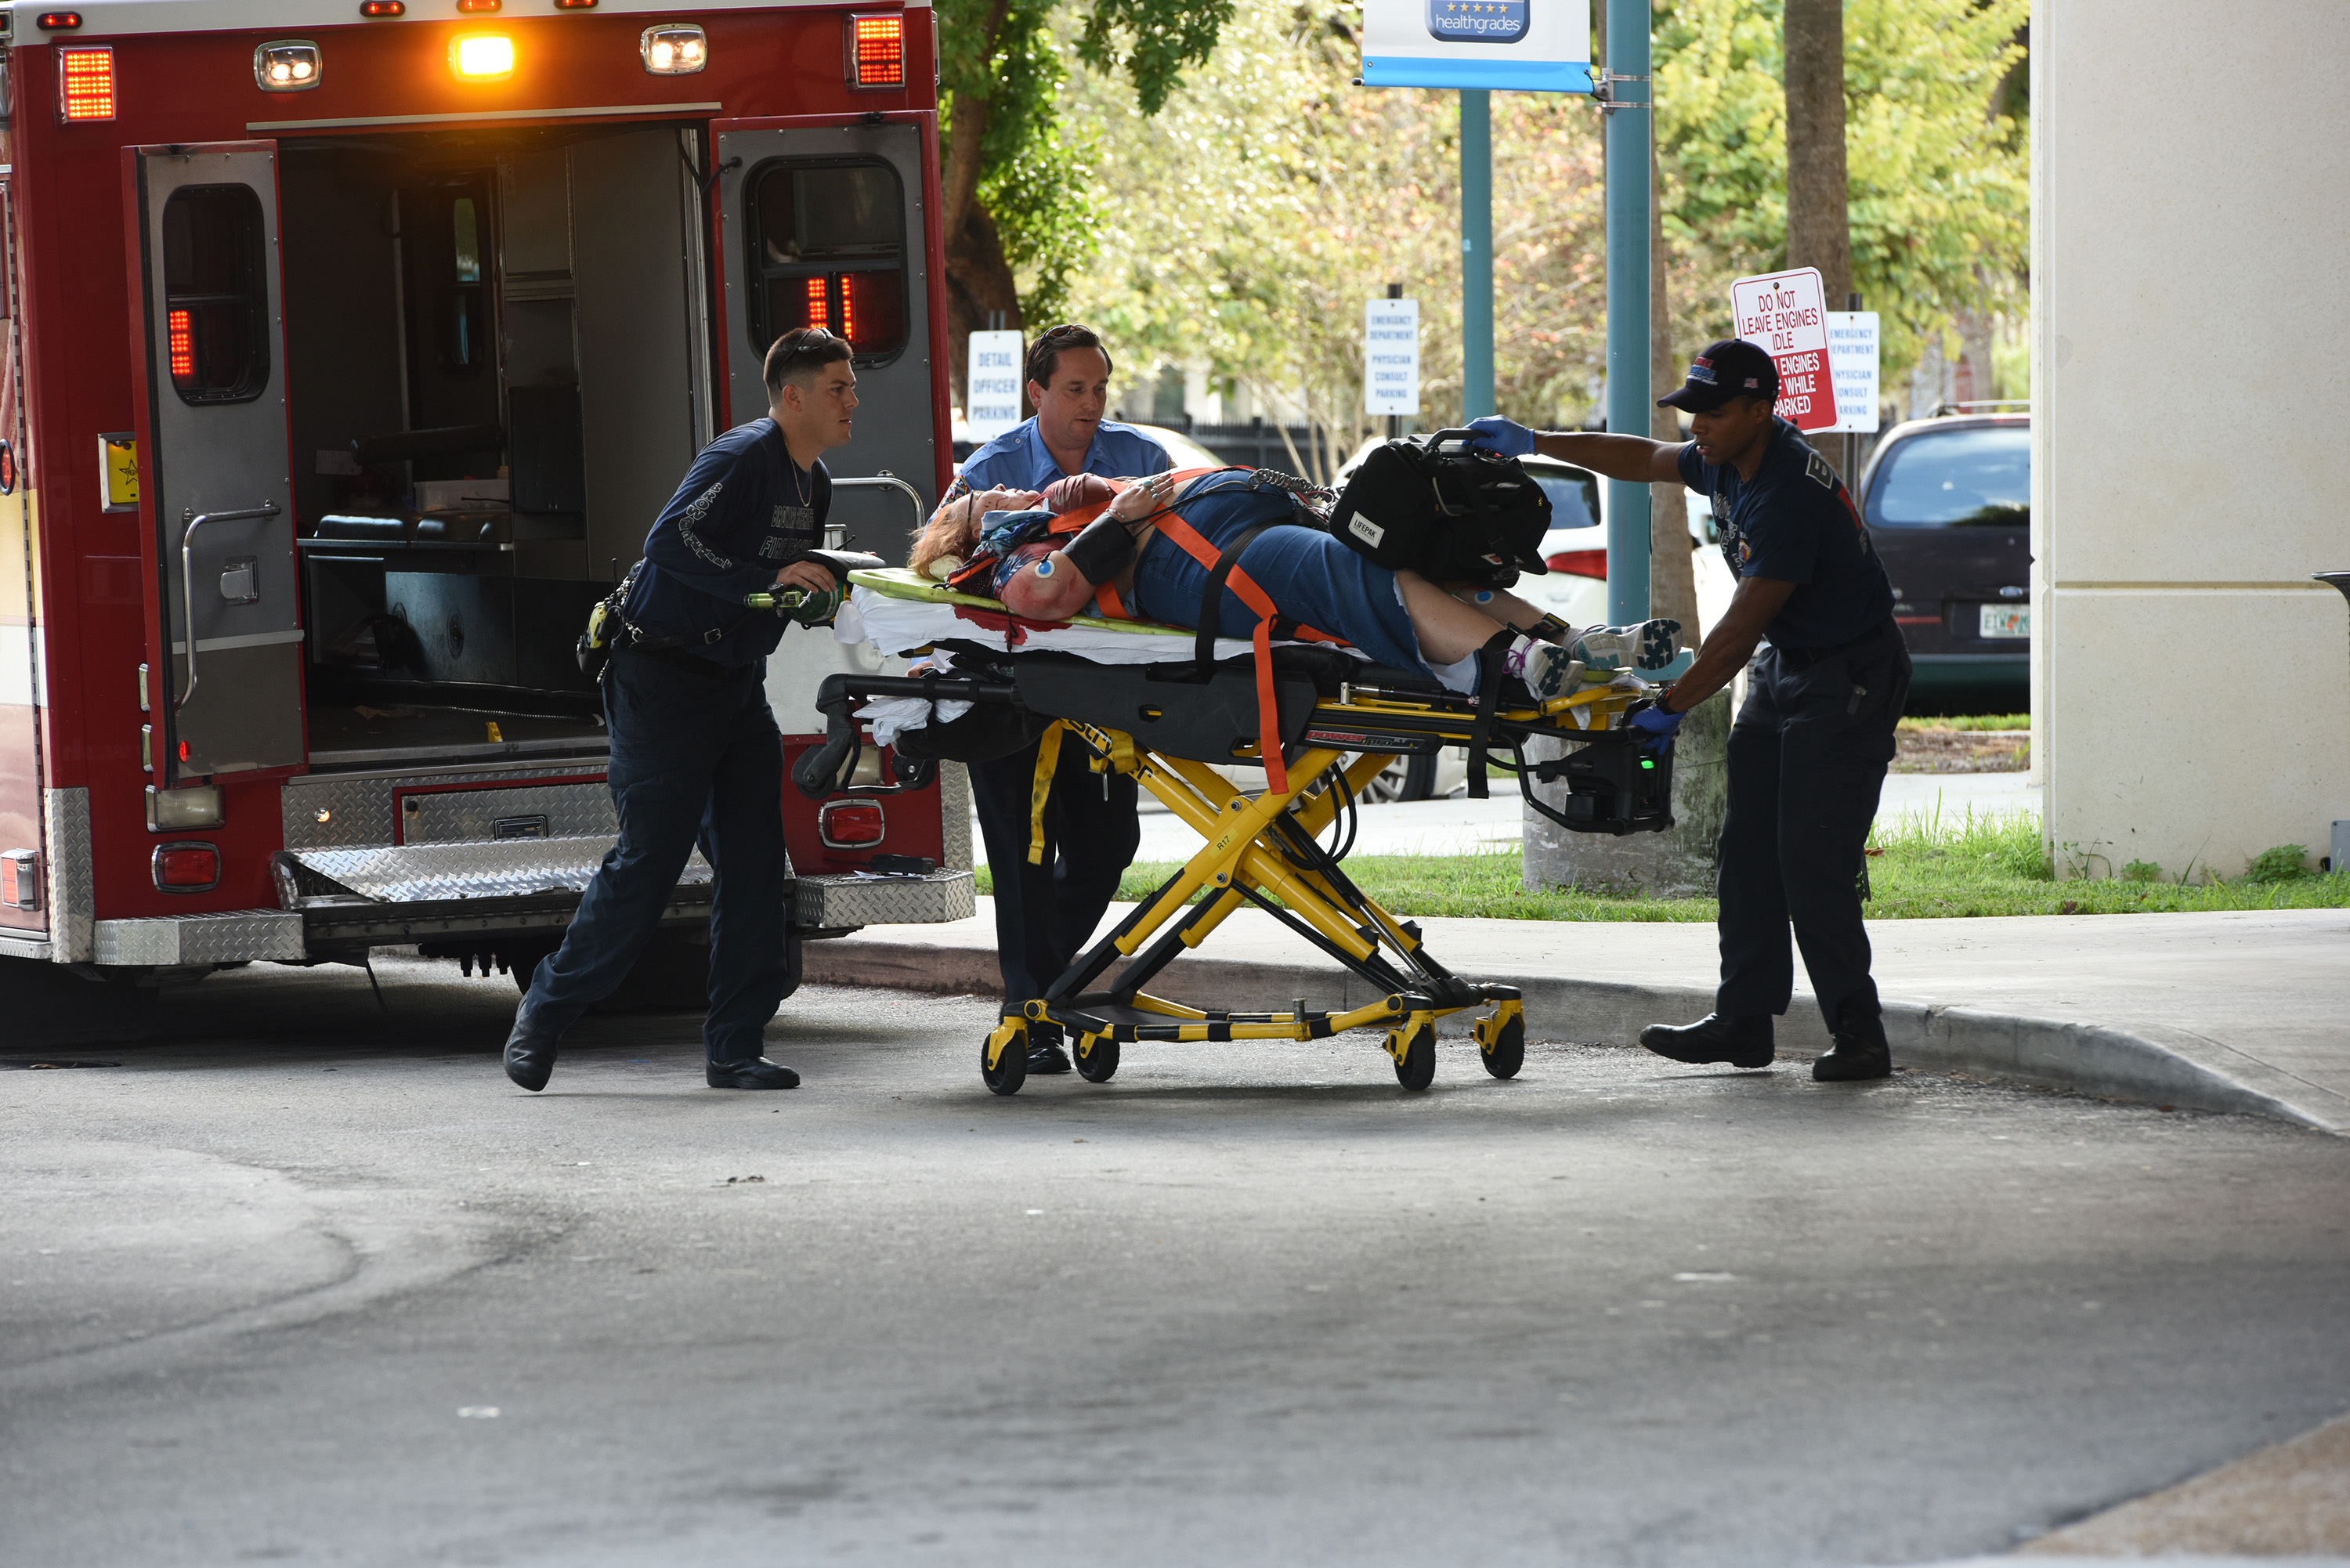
897,612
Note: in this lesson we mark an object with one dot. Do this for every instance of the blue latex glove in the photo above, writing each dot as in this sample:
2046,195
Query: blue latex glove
1659,725
1506,437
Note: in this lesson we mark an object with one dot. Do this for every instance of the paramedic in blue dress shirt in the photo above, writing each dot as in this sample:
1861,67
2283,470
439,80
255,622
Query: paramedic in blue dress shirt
1809,749
696,755
1044,913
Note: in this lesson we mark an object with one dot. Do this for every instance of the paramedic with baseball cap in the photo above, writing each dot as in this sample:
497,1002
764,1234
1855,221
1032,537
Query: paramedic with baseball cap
1046,912
1809,749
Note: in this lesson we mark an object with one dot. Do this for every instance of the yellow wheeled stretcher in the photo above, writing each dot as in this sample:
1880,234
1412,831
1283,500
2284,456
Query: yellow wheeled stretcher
1338,721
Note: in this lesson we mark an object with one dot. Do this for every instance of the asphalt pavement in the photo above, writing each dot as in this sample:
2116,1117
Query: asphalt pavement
309,1282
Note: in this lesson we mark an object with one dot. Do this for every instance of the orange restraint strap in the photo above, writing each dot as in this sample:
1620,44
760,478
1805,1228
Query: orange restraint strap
1268,715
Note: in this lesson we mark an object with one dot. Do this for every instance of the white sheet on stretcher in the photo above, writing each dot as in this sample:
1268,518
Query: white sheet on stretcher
879,612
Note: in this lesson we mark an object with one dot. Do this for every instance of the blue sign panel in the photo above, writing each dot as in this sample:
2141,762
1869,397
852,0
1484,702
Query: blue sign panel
1520,45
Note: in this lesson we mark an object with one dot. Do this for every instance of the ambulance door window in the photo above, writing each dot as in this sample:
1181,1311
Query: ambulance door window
216,293
465,305
830,251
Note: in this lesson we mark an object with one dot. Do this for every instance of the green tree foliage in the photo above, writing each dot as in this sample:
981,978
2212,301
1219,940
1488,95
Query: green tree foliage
1244,226
1939,171
1019,176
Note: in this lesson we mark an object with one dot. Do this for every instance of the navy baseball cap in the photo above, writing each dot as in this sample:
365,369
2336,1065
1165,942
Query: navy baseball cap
1725,369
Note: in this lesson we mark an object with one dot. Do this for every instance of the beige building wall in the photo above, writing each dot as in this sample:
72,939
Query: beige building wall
2191,371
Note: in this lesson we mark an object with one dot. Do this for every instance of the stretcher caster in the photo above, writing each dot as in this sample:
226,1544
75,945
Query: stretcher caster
1502,1040
1413,1046
1096,1057
1004,1059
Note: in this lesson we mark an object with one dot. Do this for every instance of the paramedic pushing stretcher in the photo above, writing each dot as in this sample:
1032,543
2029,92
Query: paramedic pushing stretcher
1809,749
696,755
1046,912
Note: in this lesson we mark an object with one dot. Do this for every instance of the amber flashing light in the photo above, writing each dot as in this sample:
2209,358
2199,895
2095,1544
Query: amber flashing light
86,83
481,57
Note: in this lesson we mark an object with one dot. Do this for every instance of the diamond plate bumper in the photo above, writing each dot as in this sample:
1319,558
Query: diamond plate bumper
837,903
234,937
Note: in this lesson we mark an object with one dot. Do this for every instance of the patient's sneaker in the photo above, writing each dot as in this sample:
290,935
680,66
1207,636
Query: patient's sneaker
1548,669
1649,645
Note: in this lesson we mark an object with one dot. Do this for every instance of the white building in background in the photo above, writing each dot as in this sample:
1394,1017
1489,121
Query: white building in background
2190,276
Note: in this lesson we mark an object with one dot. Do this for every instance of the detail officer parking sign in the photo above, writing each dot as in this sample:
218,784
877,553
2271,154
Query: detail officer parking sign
1786,315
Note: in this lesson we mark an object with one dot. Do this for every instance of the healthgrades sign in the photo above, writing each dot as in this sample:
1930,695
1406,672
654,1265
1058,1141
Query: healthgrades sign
1516,46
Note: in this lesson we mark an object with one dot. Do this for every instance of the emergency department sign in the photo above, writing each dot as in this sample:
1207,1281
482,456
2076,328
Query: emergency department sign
1391,357
1786,315
1521,45
992,385
1852,360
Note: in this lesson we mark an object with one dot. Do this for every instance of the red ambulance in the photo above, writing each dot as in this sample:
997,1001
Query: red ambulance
351,347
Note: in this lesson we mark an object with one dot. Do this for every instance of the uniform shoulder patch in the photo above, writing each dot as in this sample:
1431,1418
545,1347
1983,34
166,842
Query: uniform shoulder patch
1818,472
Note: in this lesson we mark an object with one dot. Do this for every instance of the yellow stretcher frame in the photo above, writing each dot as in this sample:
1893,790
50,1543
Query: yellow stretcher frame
1250,853
1260,848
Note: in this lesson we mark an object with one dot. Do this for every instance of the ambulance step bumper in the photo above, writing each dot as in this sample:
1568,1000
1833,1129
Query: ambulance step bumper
841,904
238,936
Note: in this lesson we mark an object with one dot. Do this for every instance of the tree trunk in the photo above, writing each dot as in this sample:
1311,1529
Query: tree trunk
979,279
1672,573
1819,234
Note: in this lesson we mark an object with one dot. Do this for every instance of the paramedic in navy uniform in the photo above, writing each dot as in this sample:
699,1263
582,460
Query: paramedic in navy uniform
1044,913
1808,751
695,752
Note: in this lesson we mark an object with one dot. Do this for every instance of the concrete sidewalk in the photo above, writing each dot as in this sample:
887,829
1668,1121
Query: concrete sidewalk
2245,1012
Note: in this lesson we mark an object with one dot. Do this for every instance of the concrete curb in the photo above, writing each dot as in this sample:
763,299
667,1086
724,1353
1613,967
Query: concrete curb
2148,1065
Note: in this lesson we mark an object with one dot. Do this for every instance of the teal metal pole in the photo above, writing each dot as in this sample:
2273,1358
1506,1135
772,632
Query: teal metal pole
1477,253
1628,298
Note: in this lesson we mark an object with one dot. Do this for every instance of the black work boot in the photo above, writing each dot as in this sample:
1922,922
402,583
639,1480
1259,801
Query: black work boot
758,1073
1741,1041
1045,1052
530,1056
1859,1051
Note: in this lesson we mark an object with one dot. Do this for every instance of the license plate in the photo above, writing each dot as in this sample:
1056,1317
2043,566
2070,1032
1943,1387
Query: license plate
2006,620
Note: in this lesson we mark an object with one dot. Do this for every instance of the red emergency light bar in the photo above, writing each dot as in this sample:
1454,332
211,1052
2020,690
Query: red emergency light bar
478,7
877,52
85,83
575,4
383,8
57,21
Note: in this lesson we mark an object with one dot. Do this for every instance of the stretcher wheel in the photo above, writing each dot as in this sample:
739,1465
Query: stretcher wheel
1011,1069
1502,1045
1096,1057
1415,1062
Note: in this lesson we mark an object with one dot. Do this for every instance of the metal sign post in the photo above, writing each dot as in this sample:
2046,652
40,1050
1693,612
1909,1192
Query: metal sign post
1623,89
1517,46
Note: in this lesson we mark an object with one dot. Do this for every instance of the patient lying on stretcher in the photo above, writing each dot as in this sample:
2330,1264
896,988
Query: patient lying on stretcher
1144,549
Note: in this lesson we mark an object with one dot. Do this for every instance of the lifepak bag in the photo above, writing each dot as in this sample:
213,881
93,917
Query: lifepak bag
1448,510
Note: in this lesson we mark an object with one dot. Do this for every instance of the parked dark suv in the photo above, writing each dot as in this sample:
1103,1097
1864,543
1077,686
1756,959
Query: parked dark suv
1948,502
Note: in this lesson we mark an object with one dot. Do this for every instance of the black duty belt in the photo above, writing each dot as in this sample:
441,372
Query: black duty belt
1805,657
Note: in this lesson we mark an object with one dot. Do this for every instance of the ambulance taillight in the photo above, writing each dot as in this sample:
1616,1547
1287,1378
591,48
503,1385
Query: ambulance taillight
85,83
877,52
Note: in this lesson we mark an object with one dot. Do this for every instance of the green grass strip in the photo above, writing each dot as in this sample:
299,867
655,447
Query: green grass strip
1928,867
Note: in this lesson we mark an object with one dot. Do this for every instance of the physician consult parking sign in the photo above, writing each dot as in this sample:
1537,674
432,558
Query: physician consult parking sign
1786,315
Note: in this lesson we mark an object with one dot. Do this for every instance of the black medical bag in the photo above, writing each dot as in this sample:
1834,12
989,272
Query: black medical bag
1449,511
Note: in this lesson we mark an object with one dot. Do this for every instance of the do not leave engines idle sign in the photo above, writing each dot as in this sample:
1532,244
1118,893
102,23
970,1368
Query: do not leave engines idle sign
1785,314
